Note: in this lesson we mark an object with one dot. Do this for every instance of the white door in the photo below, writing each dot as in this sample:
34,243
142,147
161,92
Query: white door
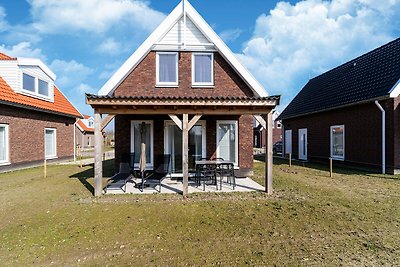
303,144
288,142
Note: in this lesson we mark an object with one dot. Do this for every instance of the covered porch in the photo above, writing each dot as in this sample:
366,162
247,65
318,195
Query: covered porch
180,117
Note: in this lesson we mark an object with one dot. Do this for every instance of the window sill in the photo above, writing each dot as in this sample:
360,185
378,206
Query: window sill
166,86
5,163
337,158
51,157
203,86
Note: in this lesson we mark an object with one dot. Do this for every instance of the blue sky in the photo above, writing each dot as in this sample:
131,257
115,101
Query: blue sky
283,43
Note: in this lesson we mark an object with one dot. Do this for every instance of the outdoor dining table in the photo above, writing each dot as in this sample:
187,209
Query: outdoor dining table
211,167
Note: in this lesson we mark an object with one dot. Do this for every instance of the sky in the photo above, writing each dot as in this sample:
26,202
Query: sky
282,43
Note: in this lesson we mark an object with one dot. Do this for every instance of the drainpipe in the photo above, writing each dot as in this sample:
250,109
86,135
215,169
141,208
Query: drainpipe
383,136
75,140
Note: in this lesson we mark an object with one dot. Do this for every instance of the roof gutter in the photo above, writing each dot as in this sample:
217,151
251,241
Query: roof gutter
383,136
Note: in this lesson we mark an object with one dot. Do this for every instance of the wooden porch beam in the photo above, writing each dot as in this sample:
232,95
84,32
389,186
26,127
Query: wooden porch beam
193,121
261,121
268,155
98,153
177,121
185,153
107,121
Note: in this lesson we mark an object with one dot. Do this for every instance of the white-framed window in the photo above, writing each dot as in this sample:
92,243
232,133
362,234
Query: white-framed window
90,123
337,142
142,131
35,85
4,144
202,69
228,140
50,143
167,69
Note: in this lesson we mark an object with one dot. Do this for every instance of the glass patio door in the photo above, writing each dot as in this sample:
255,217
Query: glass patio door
227,141
173,145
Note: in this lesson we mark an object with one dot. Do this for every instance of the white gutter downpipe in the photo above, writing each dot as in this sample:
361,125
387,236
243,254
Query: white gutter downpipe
383,136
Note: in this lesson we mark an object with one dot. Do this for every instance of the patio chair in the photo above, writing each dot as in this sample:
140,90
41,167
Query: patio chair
227,169
155,178
123,175
205,173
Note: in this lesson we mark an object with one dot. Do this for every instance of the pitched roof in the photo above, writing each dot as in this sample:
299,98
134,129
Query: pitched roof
371,76
82,126
5,57
182,9
61,105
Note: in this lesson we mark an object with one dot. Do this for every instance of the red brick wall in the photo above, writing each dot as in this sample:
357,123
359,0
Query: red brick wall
142,80
26,133
362,134
122,137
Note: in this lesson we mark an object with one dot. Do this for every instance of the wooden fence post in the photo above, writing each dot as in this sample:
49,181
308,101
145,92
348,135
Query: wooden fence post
290,159
45,168
330,167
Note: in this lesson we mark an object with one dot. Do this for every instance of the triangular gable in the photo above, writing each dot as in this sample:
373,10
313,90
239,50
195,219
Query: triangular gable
162,33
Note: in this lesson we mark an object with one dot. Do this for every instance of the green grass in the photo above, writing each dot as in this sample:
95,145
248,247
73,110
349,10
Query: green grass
312,219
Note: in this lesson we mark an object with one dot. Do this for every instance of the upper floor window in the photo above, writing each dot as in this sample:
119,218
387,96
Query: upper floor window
202,69
167,68
35,85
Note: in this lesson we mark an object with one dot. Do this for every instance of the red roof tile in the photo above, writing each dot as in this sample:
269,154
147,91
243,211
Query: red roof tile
83,125
5,57
60,104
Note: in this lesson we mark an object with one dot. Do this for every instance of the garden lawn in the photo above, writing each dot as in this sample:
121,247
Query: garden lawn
311,219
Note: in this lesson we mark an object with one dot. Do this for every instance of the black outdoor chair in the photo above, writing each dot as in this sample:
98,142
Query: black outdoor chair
124,175
206,173
227,169
155,178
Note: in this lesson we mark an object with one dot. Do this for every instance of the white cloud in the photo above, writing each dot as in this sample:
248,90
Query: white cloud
23,49
230,35
3,21
110,46
96,16
69,73
296,42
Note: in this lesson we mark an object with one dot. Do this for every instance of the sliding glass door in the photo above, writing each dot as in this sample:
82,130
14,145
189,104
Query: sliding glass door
227,141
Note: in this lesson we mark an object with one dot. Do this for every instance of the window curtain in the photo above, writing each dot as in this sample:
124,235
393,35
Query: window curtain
2,143
202,67
167,68
226,142
50,143
138,142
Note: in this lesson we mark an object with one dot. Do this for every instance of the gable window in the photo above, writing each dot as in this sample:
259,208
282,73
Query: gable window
90,124
202,69
4,146
337,142
167,68
50,143
43,88
35,85
28,82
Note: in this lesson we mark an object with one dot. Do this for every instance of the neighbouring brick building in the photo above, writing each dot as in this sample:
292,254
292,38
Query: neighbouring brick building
350,113
36,119
184,74
259,132
84,132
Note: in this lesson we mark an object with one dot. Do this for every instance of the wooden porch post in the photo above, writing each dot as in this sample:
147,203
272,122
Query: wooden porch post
185,153
268,154
98,152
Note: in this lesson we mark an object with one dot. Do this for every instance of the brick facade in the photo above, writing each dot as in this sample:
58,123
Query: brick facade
26,135
363,136
142,80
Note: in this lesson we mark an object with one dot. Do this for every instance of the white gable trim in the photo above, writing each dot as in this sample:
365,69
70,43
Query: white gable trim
36,62
162,30
395,91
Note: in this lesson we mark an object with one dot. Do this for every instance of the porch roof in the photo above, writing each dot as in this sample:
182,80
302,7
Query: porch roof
179,105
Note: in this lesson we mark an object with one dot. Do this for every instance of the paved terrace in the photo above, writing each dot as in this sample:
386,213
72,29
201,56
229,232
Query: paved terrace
173,186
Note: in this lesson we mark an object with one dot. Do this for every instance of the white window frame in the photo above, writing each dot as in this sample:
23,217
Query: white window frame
236,163
203,84
55,143
36,92
149,165
331,143
7,160
166,84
